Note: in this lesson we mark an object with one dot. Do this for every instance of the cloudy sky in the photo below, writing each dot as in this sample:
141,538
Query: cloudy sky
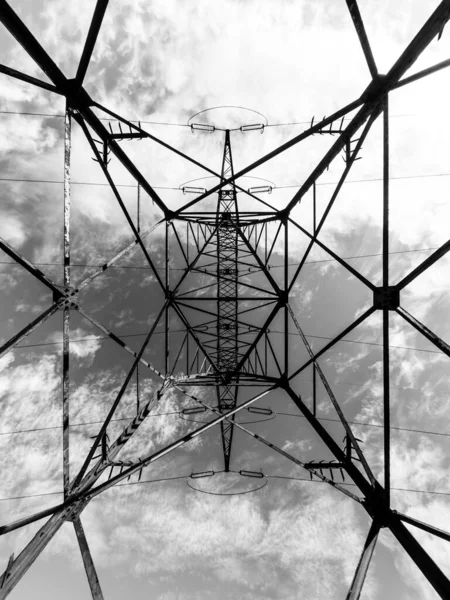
162,62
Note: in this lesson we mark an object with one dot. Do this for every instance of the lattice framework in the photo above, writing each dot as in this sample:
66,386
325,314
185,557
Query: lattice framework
230,350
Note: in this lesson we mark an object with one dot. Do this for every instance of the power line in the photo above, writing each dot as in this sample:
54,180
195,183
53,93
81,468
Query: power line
17,431
308,262
92,266
364,423
117,485
312,262
354,485
278,187
61,116
343,120
267,476
129,185
318,337
431,175
33,114
323,337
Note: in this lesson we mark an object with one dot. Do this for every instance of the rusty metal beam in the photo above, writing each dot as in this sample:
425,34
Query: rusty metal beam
66,311
386,350
430,335
364,562
89,566
428,262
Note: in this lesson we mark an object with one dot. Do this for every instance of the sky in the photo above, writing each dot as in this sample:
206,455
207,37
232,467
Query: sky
163,62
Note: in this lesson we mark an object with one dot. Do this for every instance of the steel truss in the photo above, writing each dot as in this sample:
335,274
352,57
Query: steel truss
226,346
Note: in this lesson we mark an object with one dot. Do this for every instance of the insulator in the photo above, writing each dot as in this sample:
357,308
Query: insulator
260,189
193,410
201,474
253,127
193,190
255,474
260,411
202,127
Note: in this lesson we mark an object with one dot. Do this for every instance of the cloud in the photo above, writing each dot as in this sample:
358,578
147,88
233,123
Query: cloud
87,348
12,230
274,550
150,60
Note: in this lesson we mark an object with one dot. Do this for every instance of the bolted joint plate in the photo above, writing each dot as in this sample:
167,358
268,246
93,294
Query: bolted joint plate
69,294
77,95
386,298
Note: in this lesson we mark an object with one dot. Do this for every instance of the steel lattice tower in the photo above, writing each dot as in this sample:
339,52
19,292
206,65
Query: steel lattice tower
228,347
227,353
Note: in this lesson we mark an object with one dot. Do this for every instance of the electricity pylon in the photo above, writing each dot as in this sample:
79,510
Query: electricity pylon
228,346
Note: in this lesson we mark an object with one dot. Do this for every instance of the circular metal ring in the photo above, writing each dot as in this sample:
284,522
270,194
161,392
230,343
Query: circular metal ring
187,183
260,487
270,418
206,110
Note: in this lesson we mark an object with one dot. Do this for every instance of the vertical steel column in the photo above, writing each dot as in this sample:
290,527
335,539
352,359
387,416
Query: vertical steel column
355,590
91,573
166,313
314,389
286,291
386,378
227,220
138,212
314,209
66,310
137,390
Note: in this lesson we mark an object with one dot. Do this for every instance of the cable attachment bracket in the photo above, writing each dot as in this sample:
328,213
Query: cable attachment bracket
122,135
103,152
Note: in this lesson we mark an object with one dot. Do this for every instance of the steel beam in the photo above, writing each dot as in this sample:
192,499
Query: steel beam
361,32
361,482
421,558
343,333
364,562
434,69
317,368
278,450
119,199
71,508
424,526
28,266
66,312
28,79
430,335
78,97
299,138
148,460
89,566
99,13
385,258
142,133
428,262
119,341
377,90
349,164
115,404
